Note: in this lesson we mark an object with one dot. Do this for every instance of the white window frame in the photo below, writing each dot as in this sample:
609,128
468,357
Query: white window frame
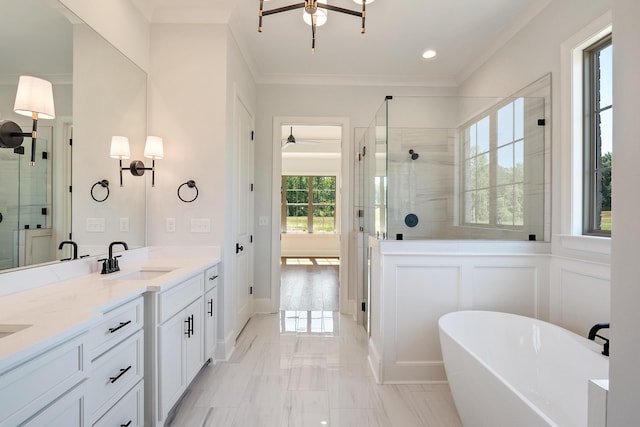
571,147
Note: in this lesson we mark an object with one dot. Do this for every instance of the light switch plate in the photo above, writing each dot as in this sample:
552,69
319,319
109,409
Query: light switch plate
200,225
124,224
96,225
263,220
171,225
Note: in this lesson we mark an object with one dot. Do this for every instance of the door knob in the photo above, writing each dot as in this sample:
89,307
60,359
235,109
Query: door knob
239,248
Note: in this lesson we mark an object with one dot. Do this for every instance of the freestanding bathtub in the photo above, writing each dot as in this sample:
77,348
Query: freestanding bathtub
506,370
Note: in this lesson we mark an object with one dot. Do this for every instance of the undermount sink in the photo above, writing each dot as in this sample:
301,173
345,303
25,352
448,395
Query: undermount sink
6,330
145,273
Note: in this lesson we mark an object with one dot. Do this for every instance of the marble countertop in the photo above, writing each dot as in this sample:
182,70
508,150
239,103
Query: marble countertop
63,309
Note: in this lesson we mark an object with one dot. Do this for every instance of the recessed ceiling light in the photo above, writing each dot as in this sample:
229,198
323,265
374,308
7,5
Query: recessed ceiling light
428,54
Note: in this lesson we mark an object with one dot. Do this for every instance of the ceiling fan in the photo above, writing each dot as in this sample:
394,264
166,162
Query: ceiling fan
291,140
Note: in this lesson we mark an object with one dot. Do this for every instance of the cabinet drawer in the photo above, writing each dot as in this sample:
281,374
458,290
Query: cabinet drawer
211,277
128,411
33,385
64,412
117,325
113,373
177,298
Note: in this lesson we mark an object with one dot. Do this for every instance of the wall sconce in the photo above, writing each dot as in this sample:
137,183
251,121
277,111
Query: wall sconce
34,98
153,149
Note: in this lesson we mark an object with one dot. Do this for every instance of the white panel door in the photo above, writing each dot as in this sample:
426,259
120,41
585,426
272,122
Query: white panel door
243,214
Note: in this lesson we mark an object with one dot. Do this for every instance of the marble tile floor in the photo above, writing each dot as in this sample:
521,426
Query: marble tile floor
316,375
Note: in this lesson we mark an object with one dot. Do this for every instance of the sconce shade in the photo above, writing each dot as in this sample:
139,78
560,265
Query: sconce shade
34,95
153,148
120,147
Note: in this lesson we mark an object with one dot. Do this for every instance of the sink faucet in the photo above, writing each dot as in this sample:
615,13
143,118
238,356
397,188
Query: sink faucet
593,333
75,249
110,265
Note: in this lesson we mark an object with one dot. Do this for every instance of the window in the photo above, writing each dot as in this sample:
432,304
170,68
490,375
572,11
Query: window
493,168
309,204
598,137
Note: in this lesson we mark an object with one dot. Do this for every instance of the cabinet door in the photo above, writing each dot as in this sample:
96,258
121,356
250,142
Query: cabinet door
171,380
210,337
195,340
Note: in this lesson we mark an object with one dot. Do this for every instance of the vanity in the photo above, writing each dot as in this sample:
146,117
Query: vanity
119,349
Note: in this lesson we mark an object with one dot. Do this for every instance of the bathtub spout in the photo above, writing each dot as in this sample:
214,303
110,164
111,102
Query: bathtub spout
593,333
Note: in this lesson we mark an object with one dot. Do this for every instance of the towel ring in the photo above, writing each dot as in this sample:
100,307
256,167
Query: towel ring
104,184
191,184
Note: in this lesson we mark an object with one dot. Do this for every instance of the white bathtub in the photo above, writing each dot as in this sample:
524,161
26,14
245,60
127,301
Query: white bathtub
506,370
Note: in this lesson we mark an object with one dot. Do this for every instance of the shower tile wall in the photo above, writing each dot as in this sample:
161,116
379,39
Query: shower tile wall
424,186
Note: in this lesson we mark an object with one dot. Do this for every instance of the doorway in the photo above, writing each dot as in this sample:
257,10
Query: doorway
310,215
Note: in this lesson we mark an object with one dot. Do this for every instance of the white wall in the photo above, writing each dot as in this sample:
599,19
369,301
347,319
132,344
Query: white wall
623,408
196,71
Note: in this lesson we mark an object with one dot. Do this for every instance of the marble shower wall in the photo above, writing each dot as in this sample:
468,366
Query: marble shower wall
424,186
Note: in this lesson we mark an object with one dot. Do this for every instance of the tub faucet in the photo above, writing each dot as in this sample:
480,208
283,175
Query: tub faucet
593,333
110,265
75,249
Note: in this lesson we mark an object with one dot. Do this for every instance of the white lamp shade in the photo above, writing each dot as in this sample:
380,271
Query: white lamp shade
120,147
34,96
321,16
153,148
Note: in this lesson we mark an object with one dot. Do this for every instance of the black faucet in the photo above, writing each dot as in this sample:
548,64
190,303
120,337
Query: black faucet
75,249
110,265
593,333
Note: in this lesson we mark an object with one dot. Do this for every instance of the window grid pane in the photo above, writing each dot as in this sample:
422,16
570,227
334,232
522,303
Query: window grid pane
310,204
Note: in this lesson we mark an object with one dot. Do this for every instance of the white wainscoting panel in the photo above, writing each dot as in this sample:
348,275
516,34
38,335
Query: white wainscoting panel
580,294
416,289
507,289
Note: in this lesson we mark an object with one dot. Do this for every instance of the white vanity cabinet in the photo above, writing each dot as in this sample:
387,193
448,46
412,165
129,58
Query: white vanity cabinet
210,312
116,350
179,343
47,388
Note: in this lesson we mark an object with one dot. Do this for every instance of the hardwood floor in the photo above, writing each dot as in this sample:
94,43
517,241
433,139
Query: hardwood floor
309,284
307,366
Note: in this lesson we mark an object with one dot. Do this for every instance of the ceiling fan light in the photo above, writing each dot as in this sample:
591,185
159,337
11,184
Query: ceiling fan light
366,2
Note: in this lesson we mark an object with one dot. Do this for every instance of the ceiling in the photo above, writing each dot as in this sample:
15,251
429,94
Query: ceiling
463,32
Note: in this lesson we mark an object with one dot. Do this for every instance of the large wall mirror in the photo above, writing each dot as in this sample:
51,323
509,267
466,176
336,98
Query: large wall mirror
98,93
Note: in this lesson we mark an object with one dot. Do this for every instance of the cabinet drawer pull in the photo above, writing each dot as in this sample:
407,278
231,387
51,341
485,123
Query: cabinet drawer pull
126,425
210,312
213,277
121,373
121,325
188,331
192,322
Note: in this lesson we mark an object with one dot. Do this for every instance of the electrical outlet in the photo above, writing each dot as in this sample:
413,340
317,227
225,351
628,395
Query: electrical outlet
124,224
171,225
263,220
200,225
96,225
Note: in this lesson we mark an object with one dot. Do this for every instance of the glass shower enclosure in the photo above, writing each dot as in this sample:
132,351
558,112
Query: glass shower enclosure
453,168
25,206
